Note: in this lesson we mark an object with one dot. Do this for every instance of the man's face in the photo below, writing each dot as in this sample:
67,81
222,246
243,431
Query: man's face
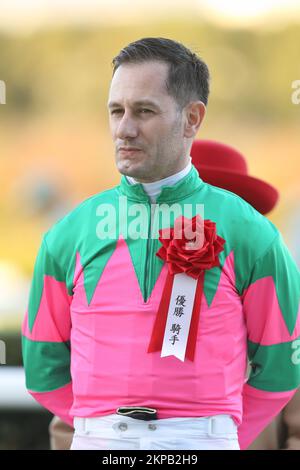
143,116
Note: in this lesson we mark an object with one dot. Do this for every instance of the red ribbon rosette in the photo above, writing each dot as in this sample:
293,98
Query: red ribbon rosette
191,247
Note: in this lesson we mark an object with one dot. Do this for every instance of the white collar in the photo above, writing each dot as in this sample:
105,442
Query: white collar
154,189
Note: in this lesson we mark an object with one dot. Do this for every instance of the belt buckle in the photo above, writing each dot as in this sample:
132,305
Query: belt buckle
137,412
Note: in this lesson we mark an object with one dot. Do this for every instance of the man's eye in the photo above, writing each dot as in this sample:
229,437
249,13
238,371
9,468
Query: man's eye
142,110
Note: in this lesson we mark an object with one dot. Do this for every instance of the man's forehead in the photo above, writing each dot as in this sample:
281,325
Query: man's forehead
139,84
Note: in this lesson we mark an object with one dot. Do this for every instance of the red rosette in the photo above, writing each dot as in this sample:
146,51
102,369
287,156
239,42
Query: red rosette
191,247
177,249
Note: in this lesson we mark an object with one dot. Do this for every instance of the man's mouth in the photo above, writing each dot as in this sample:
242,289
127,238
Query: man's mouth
129,150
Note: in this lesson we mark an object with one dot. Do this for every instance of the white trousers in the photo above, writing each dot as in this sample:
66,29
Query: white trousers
116,432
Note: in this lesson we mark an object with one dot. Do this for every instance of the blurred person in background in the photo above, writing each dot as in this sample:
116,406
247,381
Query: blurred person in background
86,288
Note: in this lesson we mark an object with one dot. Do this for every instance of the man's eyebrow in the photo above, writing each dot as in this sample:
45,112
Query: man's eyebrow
145,102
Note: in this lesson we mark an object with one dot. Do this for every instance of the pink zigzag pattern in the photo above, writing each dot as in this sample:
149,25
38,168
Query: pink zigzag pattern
118,293
265,322
53,321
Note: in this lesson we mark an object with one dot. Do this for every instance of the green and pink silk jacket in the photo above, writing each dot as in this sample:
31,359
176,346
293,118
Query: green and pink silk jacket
93,303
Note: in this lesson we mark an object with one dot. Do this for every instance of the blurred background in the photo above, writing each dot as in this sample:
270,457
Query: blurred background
55,145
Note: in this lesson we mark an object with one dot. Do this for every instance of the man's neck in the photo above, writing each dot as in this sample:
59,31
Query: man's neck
154,189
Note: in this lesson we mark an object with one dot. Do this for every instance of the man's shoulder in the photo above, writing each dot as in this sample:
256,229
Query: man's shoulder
232,202
245,225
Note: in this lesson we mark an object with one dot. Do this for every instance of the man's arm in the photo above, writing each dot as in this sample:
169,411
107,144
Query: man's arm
271,308
46,337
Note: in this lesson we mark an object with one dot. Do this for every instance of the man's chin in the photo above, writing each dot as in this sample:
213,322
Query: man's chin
131,170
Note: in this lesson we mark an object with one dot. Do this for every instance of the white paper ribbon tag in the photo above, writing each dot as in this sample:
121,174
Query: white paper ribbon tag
179,316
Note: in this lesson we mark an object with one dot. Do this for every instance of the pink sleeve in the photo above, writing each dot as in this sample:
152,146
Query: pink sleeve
259,409
58,402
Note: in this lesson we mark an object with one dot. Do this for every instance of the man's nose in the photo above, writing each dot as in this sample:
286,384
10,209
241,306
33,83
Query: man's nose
127,127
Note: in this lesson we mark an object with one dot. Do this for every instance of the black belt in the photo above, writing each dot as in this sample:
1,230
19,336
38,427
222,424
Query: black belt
138,412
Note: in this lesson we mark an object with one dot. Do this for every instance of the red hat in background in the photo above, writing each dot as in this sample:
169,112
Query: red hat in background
223,166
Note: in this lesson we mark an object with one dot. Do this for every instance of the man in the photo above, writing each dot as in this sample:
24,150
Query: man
100,292
225,167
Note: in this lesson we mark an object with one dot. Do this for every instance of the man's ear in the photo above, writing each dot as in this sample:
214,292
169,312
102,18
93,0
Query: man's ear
194,115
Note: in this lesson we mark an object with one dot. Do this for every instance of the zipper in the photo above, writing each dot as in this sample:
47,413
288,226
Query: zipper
148,262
